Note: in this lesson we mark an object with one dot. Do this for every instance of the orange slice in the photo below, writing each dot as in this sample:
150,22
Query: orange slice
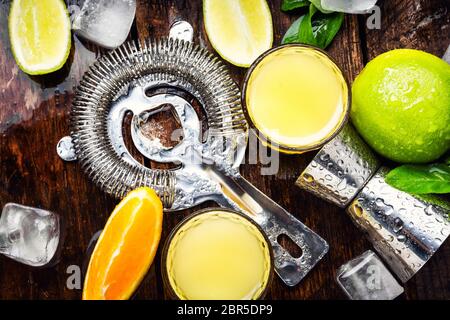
126,248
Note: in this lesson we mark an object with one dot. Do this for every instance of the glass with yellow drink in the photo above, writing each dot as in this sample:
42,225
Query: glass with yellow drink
296,97
217,254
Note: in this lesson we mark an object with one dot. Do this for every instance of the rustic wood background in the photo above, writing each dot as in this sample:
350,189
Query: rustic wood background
34,116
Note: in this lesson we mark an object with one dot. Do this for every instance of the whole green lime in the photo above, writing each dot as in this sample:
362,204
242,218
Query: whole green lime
401,105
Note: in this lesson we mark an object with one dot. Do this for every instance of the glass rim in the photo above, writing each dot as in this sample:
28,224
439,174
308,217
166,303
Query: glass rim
165,250
264,138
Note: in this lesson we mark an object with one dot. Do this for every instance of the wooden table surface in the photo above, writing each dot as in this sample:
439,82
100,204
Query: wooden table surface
34,116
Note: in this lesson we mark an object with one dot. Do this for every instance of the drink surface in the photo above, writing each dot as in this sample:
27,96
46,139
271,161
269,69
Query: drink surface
297,97
218,255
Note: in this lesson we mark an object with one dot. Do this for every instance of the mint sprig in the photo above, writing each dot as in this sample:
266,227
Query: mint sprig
314,28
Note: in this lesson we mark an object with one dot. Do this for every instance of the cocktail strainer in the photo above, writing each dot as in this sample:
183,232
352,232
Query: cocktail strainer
208,167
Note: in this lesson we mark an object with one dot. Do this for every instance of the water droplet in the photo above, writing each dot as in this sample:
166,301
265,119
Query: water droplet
430,225
418,205
401,238
390,238
57,95
342,185
398,225
340,162
388,210
402,211
429,210
314,164
379,202
324,157
328,177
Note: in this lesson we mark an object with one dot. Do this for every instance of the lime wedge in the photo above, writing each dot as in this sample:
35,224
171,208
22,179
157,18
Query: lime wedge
40,35
239,30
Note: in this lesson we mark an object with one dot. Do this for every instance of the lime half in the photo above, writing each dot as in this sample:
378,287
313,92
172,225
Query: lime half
239,30
40,34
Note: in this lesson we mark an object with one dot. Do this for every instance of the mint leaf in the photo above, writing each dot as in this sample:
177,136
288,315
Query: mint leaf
318,5
305,34
291,35
288,5
315,28
325,27
421,179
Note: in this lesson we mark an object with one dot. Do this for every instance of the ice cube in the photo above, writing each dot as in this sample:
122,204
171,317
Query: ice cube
349,6
446,56
29,235
366,278
105,22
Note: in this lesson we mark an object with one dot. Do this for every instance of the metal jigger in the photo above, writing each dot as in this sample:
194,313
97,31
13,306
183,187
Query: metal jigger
405,229
340,169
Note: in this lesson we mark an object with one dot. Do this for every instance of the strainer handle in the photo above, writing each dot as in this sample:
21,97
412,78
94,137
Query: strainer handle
240,194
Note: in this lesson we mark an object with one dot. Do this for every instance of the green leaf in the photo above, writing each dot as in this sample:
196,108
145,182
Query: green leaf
421,179
318,5
306,34
325,27
291,35
315,28
288,5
